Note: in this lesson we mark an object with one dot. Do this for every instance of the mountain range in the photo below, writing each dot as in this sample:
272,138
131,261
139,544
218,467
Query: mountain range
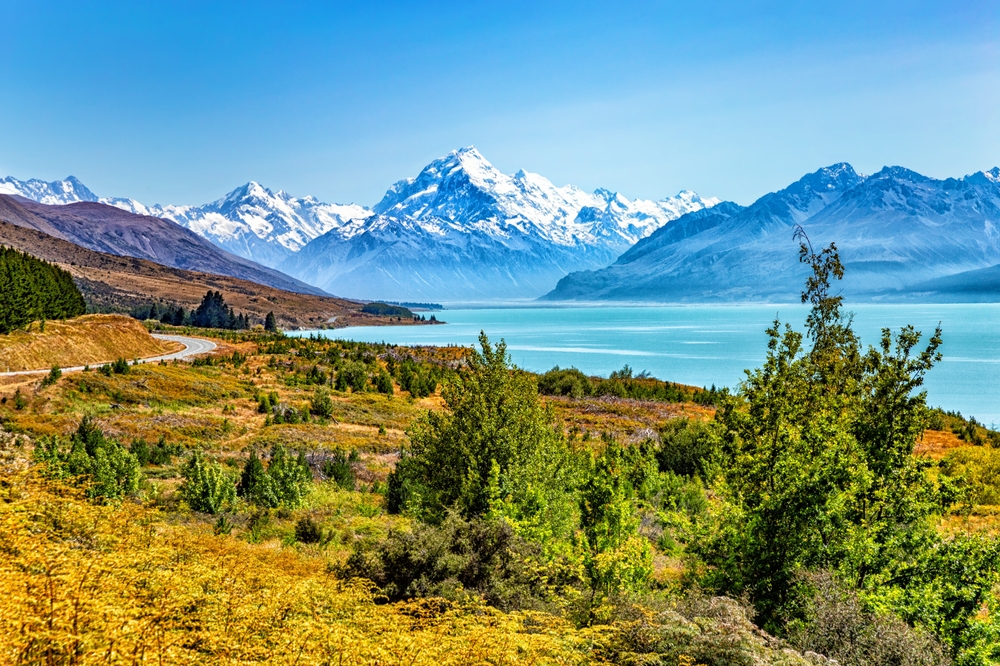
460,230
900,235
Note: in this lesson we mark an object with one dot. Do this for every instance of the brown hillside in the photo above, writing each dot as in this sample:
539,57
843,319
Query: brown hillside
111,282
104,228
91,339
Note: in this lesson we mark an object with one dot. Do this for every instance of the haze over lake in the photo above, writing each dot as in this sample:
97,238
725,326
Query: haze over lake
705,345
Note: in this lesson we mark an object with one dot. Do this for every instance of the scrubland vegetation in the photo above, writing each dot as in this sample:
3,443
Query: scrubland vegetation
295,500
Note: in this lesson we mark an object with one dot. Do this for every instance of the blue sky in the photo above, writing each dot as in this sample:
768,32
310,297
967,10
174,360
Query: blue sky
180,102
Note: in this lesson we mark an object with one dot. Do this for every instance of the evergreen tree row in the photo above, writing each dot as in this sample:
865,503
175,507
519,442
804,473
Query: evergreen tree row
32,289
212,312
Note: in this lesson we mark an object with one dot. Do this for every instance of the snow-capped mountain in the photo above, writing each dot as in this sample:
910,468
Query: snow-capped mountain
463,230
55,193
251,221
254,222
897,231
460,230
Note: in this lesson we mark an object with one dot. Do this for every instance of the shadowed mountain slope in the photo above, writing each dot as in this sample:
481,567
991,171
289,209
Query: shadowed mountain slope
895,230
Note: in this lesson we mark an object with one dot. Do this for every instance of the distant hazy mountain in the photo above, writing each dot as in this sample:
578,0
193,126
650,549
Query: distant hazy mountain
895,230
104,228
462,230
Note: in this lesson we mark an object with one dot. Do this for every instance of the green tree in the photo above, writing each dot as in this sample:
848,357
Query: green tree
270,323
290,476
32,290
494,450
206,487
107,469
616,557
321,404
256,485
820,472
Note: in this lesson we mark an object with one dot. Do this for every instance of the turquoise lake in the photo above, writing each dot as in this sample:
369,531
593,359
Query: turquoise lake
705,345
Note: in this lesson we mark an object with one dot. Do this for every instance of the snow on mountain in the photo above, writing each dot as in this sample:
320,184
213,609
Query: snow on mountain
460,230
895,230
463,230
254,222
56,192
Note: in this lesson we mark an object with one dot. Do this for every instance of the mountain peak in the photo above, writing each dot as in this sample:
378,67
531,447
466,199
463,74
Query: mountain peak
993,174
57,192
899,173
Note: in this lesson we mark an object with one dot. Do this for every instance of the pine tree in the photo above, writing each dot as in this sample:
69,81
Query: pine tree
31,290
256,485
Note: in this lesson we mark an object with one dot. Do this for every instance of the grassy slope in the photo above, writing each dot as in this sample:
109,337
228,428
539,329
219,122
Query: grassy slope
91,339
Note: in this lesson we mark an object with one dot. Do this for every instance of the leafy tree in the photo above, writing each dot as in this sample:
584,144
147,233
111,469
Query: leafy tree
107,468
615,556
290,476
206,487
820,471
383,382
493,451
353,375
270,324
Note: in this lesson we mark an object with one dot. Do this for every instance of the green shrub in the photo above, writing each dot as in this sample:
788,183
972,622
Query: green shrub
308,530
256,485
206,487
291,476
978,471
383,382
54,374
689,448
352,376
570,382
458,557
321,404
107,469
339,468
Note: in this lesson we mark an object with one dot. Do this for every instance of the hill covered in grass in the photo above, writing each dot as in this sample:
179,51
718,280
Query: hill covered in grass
86,340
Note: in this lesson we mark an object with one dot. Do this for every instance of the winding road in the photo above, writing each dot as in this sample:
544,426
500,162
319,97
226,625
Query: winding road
192,347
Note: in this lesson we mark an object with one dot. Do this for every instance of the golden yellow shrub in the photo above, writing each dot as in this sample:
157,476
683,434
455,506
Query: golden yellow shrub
86,584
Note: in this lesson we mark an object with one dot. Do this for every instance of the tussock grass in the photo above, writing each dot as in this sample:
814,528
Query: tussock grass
90,339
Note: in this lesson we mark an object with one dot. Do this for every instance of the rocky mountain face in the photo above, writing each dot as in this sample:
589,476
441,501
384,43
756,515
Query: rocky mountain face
464,231
104,228
897,232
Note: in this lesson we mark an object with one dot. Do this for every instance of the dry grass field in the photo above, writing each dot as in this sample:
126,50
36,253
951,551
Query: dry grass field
91,339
